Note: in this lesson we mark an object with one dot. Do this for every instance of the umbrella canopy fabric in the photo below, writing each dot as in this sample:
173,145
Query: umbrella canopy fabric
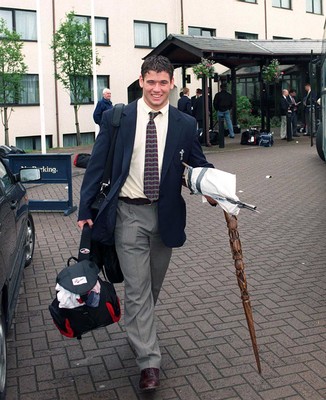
219,185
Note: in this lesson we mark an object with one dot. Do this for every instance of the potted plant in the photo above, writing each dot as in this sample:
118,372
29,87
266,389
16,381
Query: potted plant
271,73
204,68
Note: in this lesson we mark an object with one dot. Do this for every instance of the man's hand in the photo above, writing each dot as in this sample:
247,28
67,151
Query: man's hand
211,201
82,222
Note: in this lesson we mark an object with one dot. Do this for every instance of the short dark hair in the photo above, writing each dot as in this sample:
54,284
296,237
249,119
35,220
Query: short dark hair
157,64
223,86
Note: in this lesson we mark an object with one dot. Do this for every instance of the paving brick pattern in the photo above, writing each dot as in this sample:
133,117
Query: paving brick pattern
202,329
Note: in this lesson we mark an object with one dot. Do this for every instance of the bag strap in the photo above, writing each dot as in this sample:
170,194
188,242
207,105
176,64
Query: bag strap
116,117
85,243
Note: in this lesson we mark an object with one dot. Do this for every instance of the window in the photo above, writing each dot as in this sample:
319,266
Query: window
201,31
101,29
69,139
102,82
149,34
282,3
21,21
249,1
27,94
30,90
314,6
85,84
4,178
281,38
246,35
33,142
83,89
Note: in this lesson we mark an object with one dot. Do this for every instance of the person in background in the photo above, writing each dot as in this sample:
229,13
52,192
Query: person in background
144,213
104,104
309,103
197,109
184,103
294,109
285,110
223,103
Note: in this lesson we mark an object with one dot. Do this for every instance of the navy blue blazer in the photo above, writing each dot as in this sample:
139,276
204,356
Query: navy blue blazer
181,145
184,105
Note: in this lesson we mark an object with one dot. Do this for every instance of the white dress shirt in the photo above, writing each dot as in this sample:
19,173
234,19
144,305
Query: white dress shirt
134,185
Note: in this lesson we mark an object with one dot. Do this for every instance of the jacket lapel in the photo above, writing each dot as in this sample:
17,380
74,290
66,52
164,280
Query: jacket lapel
172,139
128,131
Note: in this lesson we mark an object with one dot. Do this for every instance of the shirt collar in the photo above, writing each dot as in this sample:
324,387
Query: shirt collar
147,109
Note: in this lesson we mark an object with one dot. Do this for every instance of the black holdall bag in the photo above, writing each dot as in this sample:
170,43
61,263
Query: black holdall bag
250,137
104,255
79,279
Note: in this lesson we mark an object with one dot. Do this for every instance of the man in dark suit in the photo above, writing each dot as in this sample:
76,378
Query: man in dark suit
144,227
198,108
184,103
104,104
285,110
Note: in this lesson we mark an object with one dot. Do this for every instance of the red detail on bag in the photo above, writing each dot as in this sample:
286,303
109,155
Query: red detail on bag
68,332
115,318
75,160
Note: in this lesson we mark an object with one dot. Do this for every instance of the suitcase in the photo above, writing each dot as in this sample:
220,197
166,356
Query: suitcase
266,139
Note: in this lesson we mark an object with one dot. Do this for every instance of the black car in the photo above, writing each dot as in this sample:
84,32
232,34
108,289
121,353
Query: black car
17,239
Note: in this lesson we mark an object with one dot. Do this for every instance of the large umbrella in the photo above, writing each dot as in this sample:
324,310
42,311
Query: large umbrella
221,186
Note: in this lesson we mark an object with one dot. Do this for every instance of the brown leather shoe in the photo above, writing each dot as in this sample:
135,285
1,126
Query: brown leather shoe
149,379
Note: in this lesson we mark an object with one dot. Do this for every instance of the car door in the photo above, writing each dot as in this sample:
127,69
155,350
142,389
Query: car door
8,232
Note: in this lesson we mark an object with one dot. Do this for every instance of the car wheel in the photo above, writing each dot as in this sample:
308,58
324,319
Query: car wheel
3,358
30,240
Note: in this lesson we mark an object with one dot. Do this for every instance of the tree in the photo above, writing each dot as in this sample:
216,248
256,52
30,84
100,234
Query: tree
72,48
12,69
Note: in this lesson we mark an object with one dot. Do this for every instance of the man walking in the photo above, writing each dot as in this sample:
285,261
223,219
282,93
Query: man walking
144,212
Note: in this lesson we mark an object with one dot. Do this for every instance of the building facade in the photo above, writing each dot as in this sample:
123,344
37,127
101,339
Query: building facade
125,33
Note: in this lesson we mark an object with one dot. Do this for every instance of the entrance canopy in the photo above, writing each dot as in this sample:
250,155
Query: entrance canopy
185,50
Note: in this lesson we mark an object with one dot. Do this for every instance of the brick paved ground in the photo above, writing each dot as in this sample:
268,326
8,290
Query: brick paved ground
205,343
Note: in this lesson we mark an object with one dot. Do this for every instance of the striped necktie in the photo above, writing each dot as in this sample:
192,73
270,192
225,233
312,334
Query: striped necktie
151,171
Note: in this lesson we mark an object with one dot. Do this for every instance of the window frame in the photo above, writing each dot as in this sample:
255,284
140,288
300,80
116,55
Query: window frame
91,99
88,20
14,22
249,1
282,38
149,23
281,6
313,8
246,33
211,30
17,101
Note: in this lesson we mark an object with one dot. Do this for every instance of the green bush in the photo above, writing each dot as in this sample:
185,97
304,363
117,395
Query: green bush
244,113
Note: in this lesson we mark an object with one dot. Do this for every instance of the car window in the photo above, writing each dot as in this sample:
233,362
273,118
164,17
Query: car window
5,178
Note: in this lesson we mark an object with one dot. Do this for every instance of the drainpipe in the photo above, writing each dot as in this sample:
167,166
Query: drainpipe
182,27
265,13
55,82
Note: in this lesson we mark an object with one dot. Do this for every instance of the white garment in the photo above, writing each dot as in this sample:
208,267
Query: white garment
134,185
66,298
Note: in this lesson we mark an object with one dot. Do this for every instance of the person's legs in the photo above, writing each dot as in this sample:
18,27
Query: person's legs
283,127
144,260
229,124
294,124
